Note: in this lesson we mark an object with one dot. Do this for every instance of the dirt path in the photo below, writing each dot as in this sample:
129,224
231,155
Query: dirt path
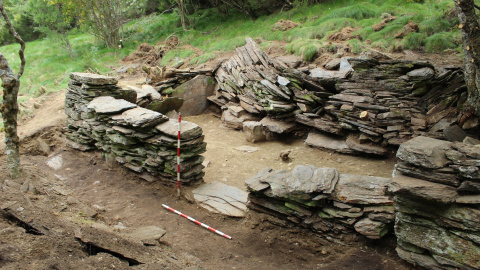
124,201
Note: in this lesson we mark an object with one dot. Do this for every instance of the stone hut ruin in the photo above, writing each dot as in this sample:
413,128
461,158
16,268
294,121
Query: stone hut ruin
360,105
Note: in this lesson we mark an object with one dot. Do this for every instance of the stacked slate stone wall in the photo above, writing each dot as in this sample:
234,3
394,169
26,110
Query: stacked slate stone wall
360,105
324,201
142,140
436,191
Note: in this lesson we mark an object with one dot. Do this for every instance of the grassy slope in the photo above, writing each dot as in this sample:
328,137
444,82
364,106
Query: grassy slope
48,64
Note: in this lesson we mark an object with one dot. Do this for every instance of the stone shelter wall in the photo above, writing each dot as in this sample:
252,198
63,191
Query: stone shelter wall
145,141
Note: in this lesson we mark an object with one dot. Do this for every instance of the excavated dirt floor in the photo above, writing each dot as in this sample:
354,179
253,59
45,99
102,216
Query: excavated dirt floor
73,217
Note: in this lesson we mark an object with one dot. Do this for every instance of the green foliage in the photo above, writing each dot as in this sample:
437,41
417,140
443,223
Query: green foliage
174,56
306,48
54,19
358,12
439,42
355,46
414,41
203,58
436,24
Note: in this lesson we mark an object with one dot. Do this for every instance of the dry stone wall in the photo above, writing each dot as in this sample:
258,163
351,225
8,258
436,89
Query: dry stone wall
364,106
325,201
436,191
142,140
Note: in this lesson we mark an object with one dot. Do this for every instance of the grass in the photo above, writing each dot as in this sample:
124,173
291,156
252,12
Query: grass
49,66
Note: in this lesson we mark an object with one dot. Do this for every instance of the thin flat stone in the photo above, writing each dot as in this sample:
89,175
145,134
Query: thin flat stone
93,79
139,117
360,189
221,198
188,130
109,105
413,187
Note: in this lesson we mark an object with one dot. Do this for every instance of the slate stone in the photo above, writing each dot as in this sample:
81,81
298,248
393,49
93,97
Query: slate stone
188,130
195,92
148,235
237,111
416,188
333,64
469,187
139,117
291,60
371,229
421,74
166,105
277,126
440,241
339,213
109,105
220,198
92,79
424,152
145,91
374,149
309,179
319,140
230,121
468,199
470,140
258,181
423,260
253,131
454,133
359,189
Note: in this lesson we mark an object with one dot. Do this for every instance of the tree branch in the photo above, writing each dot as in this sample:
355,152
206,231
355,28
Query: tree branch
17,37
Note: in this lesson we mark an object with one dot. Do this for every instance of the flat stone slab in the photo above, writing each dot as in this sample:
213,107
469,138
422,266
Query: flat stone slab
221,198
424,152
188,130
276,126
109,105
139,117
316,139
413,187
93,79
145,91
167,105
360,189
148,235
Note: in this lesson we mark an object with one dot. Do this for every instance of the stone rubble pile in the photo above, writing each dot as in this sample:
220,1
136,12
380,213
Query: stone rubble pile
323,200
436,191
366,105
251,86
142,140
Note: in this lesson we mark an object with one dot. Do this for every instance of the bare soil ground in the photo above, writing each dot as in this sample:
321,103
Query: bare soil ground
44,212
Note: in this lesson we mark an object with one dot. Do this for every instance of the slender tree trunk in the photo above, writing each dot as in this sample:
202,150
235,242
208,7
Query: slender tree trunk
10,84
181,7
471,38
9,107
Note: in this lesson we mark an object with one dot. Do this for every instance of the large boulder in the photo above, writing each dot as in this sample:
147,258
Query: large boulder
195,93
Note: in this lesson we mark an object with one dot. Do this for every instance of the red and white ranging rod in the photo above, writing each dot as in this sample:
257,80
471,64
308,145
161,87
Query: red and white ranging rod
197,222
178,153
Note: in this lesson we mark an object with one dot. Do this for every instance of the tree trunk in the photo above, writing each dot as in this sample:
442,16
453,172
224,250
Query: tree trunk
10,84
471,39
181,7
9,107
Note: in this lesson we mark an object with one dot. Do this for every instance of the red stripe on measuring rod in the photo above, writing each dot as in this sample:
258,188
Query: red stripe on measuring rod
197,222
